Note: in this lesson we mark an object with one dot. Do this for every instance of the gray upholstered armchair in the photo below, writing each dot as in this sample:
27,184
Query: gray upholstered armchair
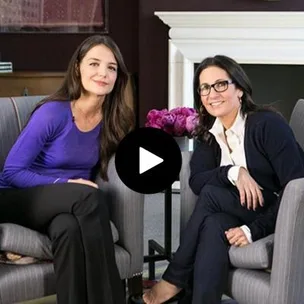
271,270
24,282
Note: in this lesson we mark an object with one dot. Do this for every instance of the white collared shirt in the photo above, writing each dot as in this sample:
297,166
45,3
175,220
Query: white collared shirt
236,154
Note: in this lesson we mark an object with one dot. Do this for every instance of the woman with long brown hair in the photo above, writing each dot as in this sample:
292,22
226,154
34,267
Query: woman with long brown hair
47,183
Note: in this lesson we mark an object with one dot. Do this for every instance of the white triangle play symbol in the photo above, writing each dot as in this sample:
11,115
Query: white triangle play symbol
147,160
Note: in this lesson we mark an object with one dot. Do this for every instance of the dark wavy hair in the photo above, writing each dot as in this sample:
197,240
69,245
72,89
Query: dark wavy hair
241,81
118,118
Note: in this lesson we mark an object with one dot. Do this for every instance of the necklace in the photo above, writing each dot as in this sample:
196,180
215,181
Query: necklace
85,117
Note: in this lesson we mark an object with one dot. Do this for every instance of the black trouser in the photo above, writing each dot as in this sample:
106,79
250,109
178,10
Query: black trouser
201,262
76,219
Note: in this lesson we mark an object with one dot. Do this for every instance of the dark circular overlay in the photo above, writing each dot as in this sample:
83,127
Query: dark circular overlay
157,142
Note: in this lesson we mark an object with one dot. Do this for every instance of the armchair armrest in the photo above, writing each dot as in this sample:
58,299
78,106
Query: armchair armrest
287,275
127,213
188,198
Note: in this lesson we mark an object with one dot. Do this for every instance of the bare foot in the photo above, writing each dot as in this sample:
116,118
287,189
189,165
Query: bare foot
160,293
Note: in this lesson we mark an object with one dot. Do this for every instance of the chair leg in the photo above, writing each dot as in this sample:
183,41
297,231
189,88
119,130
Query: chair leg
135,289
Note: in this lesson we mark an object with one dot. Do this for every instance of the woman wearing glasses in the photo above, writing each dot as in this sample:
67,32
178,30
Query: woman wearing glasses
246,156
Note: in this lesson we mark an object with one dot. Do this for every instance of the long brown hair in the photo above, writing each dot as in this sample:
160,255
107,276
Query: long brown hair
241,81
118,117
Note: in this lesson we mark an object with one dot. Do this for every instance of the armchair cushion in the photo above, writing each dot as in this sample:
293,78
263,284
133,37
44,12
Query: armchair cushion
27,242
257,255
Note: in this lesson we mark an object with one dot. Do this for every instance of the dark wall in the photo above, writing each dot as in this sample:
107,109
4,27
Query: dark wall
281,85
51,52
153,40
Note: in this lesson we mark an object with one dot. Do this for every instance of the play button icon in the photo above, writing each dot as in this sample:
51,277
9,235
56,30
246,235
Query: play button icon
148,160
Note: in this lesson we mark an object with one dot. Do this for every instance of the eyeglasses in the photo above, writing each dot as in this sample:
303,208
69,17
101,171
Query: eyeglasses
219,87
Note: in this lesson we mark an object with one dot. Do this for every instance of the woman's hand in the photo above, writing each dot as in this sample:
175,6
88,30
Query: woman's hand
236,237
249,190
83,181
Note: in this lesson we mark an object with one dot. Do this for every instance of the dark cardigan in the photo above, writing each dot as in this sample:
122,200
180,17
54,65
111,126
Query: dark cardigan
273,158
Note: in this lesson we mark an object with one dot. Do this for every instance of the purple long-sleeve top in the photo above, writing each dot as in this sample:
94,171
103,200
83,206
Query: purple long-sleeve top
51,149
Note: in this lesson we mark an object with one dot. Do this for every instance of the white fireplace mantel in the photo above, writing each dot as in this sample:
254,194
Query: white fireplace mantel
248,37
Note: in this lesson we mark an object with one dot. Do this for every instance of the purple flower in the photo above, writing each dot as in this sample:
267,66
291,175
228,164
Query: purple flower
154,119
187,111
191,123
152,115
176,111
168,119
180,121
180,125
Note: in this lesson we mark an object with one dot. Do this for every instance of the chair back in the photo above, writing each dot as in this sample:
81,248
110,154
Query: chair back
14,113
297,122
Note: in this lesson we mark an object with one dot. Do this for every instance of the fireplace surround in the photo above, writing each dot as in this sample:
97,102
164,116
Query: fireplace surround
270,38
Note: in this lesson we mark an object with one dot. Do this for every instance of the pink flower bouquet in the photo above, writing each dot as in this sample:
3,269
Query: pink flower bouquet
180,121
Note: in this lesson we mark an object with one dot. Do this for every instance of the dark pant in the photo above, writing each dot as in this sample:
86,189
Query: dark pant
76,219
201,262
